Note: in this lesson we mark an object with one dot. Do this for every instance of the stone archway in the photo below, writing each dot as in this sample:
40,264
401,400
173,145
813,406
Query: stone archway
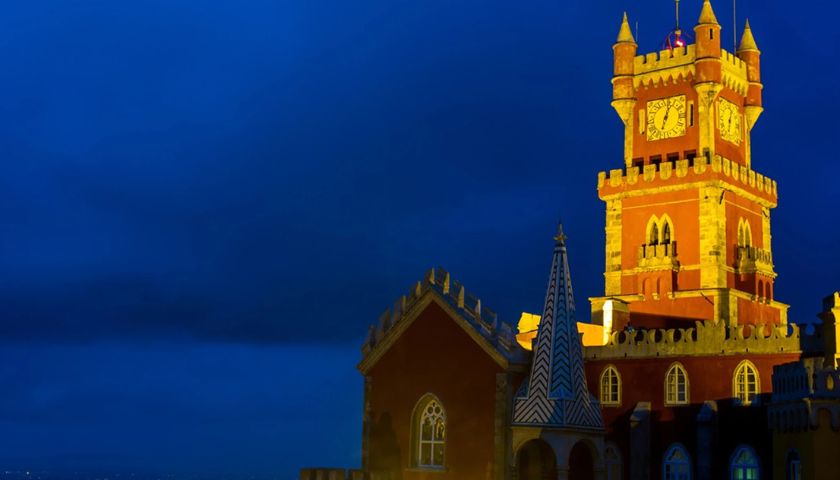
535,460
581,462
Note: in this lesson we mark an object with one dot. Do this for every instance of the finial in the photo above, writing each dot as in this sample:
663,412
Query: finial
560,237
624,33
707,15
747,39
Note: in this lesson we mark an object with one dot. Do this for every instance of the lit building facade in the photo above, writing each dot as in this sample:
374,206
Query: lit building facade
688,367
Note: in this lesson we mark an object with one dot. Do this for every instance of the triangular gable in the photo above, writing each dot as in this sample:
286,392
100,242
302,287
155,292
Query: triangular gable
495,337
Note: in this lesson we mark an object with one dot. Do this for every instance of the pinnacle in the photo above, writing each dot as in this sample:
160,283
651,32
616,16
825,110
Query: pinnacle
747,39
707,15
624,33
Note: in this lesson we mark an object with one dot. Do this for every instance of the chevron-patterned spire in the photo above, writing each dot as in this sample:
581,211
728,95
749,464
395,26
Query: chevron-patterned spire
556,393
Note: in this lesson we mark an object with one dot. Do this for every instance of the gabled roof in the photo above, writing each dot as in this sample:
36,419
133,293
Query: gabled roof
494,336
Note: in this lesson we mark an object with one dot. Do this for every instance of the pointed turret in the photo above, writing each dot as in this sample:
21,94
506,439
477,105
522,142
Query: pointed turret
624,33
747,40
707,15
556,394
624,91
748,52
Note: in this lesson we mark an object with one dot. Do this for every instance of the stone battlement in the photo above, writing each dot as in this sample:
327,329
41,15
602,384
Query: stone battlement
753,259
669,65
482,319
705,338
664,59
703,169
801,390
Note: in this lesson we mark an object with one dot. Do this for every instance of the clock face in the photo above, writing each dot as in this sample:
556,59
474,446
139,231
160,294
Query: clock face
666,118
729,121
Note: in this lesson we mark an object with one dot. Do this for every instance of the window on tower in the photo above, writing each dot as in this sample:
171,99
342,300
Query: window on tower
744,233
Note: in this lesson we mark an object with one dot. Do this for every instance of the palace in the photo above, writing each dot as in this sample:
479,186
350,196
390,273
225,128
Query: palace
688,367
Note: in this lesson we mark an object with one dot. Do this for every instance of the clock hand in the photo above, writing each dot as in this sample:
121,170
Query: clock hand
667,111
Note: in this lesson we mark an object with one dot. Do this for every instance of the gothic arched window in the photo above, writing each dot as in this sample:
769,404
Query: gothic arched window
612,462
429,438
744,465
677,464
653,236
610,386
744,233
666,232
745,383
793,467
676,385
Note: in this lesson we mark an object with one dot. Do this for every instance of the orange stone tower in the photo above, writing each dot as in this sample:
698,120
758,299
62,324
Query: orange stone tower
687,218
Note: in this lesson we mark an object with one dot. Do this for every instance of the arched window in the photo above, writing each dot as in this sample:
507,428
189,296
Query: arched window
610,386
676,385
653,237
676,465
666,232
745,383
793,467
612,462
429,433
744,233
744,465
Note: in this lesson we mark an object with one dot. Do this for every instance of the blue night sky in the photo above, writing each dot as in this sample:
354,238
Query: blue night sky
204,204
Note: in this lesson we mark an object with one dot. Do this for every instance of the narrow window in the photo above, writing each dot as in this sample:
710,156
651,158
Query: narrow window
676,385
654,234
744,465
610,387
612,460
429,428
690,114
711,34
676,464
666,233
793,466
745,384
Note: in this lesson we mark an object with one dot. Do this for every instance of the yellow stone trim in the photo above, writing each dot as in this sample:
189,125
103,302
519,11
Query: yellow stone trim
418,308
657,204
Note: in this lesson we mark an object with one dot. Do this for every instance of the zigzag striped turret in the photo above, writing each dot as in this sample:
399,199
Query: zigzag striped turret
555,394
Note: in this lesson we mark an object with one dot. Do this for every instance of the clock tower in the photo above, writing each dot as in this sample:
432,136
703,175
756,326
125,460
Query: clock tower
687,218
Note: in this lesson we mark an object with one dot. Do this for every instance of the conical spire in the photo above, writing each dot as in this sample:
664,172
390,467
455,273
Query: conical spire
556,393
624,33
747,39
707,15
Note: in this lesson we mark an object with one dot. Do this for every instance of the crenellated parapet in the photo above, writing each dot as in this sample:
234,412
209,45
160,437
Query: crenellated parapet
682,173
705,338
805,394
754,260
658,256
678,64
437,281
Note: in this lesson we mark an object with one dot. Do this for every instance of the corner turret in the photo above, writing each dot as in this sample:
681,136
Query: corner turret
624,92
707,35
748,52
